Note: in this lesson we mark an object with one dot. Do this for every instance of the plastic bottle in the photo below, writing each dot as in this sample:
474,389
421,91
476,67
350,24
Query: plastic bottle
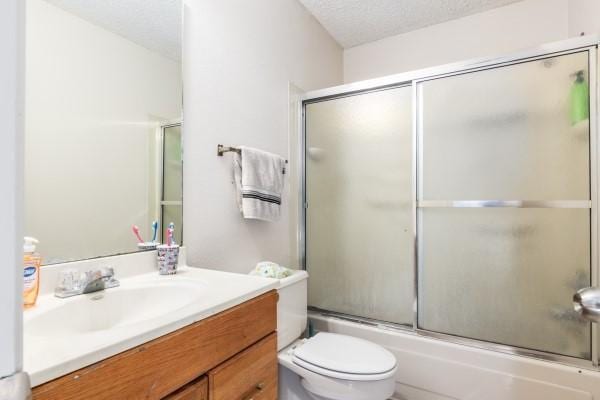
31,272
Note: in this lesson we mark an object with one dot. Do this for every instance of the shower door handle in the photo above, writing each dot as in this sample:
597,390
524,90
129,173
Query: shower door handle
587,303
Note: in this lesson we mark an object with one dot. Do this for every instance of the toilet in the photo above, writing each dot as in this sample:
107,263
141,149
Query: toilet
327,366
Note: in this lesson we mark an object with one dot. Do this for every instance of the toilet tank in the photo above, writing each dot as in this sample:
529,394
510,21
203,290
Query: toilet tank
292,314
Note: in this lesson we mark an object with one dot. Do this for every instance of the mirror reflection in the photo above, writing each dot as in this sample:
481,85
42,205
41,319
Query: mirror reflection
103,126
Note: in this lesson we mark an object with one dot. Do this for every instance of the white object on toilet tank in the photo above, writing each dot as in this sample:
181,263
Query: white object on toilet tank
292,314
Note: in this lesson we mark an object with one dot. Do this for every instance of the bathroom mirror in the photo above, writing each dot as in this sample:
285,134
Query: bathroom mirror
102,125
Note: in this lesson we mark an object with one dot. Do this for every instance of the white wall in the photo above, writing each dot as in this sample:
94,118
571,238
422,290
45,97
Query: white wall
584,17
94,101
239,59
517,26
11,159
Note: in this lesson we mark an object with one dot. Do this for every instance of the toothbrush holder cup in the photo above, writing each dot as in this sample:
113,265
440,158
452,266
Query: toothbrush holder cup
167,257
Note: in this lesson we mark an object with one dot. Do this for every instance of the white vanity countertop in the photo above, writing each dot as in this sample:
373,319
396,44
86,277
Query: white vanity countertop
64,335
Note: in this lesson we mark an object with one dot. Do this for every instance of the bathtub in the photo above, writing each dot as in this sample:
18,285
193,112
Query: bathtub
433,369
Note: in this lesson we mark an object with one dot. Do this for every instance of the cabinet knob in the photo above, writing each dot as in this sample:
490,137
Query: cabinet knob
257,389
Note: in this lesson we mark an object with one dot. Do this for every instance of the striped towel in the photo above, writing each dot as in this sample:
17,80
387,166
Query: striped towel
259,183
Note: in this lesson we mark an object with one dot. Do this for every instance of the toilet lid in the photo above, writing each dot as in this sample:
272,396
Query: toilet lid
344,355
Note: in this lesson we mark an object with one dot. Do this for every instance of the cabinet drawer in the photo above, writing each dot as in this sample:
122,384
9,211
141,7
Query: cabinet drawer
250,375
197,390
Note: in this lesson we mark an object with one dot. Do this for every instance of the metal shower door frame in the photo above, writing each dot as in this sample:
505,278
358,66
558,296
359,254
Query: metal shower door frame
161,202
413,79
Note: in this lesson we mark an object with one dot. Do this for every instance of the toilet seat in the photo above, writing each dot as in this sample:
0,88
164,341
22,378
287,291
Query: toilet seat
344,357
324,385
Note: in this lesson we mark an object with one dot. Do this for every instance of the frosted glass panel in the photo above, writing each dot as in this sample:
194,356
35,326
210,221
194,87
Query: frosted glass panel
505,133
172,179
358,221
506,275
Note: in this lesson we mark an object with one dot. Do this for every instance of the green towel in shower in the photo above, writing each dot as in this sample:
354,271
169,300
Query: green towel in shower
580,100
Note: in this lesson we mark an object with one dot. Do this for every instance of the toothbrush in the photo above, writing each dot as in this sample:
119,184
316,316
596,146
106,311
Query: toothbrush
172,230
136,232
154,231
169,235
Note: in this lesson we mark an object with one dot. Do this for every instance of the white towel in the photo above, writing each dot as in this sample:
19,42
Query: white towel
268,269
259,182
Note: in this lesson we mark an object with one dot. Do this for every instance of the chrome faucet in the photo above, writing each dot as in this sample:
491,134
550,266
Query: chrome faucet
73,283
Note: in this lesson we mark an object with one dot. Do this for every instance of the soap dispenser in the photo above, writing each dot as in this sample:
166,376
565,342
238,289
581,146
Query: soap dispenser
31,271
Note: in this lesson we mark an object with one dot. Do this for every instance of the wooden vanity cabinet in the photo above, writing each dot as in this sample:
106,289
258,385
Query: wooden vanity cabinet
229,356
196,390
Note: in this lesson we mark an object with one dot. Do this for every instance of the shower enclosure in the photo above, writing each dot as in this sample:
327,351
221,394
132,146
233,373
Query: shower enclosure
459,202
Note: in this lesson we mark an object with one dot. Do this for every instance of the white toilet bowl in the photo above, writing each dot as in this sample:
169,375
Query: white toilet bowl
340,367
327,366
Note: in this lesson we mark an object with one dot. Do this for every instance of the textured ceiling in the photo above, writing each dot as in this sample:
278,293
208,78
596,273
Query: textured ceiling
354,22
154,24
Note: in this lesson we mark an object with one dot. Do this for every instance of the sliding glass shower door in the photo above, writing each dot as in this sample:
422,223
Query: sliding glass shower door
359,231
504,205
489,174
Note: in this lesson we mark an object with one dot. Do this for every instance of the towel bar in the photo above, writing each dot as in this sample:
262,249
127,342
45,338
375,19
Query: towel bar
224,149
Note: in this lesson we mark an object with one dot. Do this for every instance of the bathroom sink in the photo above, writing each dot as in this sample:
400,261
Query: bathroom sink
62,335
112,308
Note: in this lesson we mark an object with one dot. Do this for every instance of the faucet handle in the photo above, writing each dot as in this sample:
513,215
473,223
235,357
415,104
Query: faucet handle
69,279
100,273
107,272
69,283
92,275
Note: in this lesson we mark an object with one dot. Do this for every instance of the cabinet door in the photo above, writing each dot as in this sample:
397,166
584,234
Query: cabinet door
196,390
250,375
